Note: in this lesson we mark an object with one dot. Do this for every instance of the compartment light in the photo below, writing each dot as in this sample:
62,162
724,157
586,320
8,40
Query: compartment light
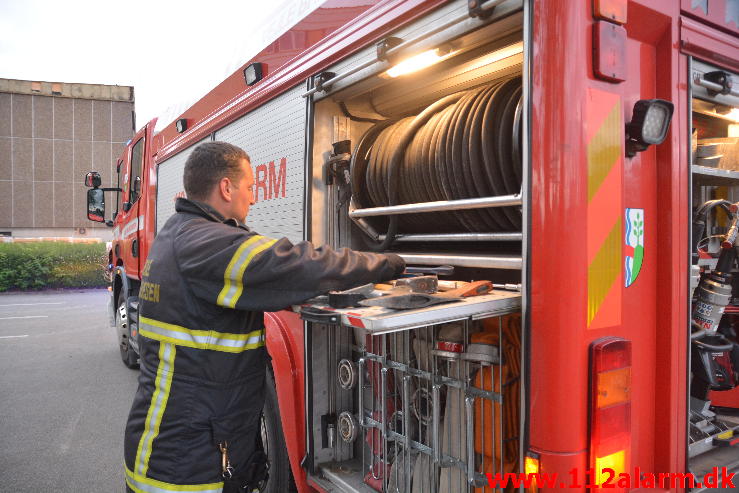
733,115
418,62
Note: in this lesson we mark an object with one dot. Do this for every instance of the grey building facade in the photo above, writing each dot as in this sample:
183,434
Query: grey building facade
51,135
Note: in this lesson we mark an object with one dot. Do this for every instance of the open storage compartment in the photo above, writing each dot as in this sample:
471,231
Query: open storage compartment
429,408
428,165
714,389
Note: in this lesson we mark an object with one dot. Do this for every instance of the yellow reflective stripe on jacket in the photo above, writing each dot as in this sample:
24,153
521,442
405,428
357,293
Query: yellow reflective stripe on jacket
233,284
200,339
159,398
142,484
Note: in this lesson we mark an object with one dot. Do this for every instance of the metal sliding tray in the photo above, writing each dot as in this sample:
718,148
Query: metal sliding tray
380,320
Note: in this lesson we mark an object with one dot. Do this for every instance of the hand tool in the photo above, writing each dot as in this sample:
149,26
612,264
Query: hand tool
420,284
508,287
402,298
449,285
350,297
475,288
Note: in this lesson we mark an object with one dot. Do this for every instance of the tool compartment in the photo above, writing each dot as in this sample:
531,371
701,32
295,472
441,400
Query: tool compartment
429,166
429,408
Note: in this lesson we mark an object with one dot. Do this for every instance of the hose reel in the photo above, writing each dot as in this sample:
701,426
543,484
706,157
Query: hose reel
465,145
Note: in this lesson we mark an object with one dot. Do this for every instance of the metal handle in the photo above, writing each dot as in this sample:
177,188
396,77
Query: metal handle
384,411
441,270
360,387
317,315
439,205
464,260
407,431
468,403
712,86
455,237
436,393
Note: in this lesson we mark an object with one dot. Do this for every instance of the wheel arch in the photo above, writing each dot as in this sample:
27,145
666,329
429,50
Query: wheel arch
123,284
284,340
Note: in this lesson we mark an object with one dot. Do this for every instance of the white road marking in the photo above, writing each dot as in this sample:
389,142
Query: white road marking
13,337
34,304
28,316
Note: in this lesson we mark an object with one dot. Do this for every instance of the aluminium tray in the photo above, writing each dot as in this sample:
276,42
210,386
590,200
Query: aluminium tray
379,320
703,175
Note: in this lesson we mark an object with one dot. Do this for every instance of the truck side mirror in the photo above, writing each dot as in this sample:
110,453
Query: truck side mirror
92,179
96,205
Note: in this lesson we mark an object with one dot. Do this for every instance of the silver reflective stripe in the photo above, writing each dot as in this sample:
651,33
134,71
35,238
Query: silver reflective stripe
200,339
233,277
147,485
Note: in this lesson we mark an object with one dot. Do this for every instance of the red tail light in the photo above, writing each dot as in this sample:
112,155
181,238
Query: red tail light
610,409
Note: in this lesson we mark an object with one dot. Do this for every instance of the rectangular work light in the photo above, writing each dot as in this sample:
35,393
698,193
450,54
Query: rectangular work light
253,73
649,124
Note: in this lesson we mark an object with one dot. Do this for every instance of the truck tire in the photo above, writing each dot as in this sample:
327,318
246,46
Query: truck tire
123,330
280,475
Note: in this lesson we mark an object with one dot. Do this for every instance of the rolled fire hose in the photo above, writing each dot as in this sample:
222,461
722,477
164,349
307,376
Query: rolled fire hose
465,145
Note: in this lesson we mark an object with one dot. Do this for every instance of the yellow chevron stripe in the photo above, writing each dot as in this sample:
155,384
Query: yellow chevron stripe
604,270
604,149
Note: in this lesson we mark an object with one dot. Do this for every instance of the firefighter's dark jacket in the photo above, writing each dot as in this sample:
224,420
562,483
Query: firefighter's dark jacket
205,286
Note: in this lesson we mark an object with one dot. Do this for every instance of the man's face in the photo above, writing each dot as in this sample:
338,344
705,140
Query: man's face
243,193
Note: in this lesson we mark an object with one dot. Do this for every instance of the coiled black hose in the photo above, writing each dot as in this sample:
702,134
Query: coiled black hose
465,145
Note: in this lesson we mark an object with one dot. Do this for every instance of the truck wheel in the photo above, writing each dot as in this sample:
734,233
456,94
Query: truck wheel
123,329
280,475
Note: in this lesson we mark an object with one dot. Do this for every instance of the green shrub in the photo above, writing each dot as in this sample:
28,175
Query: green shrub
50,264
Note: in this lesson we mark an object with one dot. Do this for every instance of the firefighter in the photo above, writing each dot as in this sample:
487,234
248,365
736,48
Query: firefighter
195,421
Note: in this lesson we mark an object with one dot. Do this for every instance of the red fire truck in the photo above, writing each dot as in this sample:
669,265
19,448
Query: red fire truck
556,148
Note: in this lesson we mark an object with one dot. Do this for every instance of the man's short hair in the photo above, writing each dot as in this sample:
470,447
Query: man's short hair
209,163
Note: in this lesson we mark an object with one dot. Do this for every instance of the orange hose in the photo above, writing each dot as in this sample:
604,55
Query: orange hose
488,415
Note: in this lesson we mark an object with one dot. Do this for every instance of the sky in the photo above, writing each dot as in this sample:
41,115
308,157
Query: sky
172,52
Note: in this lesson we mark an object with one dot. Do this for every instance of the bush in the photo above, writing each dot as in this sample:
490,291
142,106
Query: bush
49,264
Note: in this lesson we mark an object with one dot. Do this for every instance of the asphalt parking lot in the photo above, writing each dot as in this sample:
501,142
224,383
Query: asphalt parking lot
65,394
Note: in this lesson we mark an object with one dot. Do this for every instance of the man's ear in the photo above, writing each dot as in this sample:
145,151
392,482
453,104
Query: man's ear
225,189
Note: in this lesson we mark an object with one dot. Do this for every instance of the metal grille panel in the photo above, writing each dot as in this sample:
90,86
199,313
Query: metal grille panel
435,408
